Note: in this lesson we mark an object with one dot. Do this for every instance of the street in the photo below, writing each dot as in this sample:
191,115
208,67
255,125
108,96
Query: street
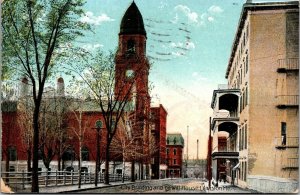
190,185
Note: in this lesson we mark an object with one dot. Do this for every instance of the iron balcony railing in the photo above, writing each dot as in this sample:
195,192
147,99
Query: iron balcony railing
287,100
291,163
288,64
224,149
286,142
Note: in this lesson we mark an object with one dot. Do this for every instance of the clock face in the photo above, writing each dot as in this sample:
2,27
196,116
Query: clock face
129,73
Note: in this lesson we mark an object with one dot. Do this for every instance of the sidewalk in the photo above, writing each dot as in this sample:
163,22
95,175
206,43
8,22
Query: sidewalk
74,188
227,188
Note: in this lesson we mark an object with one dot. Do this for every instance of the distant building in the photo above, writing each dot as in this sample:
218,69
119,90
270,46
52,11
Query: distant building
194,168
259,108
175,145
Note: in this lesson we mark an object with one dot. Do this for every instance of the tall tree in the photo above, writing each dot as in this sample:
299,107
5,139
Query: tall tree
98,74
34,34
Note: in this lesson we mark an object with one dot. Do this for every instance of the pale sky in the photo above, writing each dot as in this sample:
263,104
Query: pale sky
189,44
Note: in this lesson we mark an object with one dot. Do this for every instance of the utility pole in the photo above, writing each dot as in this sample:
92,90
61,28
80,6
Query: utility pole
209,174
187,144
197,149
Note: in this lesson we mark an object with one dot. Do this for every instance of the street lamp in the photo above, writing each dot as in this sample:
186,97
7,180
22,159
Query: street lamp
98,126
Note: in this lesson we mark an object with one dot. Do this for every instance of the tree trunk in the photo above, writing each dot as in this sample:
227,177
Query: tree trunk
59,163
35,160
123,170
142,170
132,171
106,167
7,167
79,166
106,180
28,159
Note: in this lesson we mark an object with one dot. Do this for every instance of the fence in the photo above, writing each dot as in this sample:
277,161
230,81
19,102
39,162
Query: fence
22,180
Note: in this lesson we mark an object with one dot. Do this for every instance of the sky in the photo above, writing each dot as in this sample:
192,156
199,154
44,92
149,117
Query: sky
188,43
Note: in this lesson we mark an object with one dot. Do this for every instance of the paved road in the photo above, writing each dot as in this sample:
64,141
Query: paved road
167,186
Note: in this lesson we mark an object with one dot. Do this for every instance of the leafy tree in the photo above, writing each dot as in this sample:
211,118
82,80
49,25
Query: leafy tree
35,38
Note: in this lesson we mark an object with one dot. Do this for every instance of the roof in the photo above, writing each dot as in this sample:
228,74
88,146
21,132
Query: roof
132,21
175,139
254,7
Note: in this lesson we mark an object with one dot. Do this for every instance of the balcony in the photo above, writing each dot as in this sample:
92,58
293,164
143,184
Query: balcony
224,152
288,64
286,142
291,163
284,101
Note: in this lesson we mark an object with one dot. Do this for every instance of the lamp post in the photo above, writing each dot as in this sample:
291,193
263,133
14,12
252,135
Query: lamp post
98,125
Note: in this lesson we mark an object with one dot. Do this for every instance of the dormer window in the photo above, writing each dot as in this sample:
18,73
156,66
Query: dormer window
130,46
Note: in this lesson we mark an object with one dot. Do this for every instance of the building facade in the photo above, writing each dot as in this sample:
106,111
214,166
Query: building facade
259,108
158,131
175,145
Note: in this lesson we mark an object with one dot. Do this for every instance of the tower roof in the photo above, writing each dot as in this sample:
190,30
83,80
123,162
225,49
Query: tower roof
132,21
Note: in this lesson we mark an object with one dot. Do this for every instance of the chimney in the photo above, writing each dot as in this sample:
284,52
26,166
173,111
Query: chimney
60,87
24,87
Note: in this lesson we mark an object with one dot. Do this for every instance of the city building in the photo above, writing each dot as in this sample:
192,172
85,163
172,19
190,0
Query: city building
175,145
131,72
158,130
259,107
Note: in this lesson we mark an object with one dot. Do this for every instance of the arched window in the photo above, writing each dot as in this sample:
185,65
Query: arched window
85,153
130,46
12,153
168,141
68,154
175,140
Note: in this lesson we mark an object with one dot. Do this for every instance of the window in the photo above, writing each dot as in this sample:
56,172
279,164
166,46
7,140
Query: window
85,154
167,151
246,139
119,171
246,61
245,171
175,162
12,153
240,139
175,151
168,141
246,96
283,133
68,154
130,46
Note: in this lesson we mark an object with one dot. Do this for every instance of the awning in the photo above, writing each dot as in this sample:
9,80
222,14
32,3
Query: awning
236,166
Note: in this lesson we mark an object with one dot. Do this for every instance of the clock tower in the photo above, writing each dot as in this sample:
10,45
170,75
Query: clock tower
132,70
132,65
131,74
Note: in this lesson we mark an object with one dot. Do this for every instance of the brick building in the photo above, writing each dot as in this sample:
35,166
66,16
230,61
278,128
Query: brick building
158,130
175,145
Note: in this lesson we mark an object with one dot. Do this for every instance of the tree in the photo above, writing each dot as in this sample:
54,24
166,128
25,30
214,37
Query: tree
98,74
76,107
34,34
